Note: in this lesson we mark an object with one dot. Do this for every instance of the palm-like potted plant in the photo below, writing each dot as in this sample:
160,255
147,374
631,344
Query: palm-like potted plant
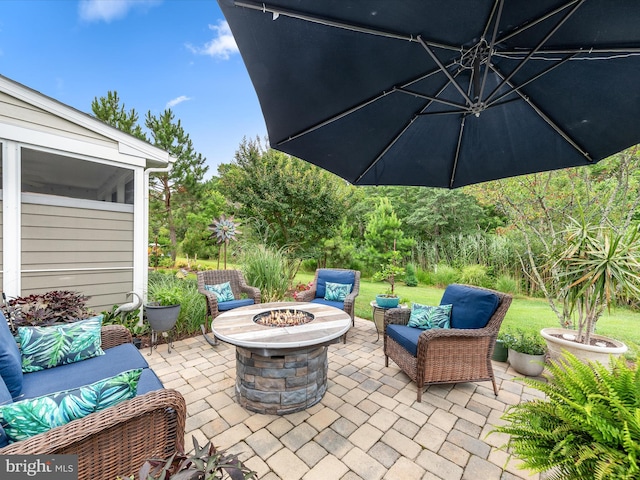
586,426
601,266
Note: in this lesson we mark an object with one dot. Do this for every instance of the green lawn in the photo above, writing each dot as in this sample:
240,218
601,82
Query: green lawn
529,314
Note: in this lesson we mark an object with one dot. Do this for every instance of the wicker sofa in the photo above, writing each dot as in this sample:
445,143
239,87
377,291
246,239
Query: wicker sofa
461,353
117,440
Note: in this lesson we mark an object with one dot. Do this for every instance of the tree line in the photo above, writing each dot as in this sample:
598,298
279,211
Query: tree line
501,231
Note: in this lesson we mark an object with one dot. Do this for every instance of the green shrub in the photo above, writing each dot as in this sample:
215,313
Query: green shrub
530,343
183,291
587,426
425,277
445,275
474,275
270,270
410,278
507,284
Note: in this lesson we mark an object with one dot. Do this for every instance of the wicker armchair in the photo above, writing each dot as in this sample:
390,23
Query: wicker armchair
115,441
349,301
447,355
238,287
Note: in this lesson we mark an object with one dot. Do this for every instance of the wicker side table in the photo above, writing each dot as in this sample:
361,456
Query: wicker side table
378,316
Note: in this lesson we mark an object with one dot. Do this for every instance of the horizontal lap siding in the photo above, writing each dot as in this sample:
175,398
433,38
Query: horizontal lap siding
74,239
17,112
1,241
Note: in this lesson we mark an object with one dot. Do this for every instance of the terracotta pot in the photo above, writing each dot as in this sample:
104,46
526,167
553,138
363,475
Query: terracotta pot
525,364
556,346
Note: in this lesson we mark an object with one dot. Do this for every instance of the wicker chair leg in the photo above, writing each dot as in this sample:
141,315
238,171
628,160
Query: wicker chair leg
419,398
386,360
495,387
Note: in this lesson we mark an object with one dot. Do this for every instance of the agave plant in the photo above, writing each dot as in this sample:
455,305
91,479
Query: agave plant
588,426
224,230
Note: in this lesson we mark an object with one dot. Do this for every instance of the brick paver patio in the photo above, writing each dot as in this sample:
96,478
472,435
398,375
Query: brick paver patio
368,425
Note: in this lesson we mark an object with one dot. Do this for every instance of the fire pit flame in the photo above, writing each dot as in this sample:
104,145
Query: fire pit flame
283,317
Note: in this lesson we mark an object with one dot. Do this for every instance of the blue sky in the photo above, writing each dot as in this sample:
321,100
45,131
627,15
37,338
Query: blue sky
155,53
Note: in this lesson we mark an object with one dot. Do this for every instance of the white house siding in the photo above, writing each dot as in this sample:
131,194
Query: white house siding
81,249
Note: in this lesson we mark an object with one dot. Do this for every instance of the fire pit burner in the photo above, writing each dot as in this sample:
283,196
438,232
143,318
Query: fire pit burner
283,317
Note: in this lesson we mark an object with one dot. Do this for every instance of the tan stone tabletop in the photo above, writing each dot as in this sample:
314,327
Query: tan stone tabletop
238,328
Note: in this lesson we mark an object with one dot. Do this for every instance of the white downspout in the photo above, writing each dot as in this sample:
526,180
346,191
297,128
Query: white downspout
147,173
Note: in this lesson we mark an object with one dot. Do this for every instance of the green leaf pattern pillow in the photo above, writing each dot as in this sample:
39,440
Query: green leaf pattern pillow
337,292
47,347
427,317
26,418
222,291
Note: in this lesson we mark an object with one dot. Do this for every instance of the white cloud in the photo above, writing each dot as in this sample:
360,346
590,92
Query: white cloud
176,101
107,10
223,44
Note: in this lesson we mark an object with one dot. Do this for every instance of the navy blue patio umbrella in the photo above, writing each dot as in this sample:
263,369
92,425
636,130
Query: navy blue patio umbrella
443,93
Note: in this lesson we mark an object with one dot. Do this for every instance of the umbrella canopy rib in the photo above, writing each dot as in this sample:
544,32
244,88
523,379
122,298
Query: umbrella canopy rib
537,47
537,21
548,120
532,79
457,157
359,106
499,4
266,8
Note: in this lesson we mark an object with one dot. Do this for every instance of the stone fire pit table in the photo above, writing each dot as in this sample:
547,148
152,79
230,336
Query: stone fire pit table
281,370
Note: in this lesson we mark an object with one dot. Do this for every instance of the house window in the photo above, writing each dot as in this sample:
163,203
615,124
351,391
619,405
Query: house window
52,174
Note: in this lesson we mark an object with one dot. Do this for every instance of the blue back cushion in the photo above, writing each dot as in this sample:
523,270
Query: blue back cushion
5,399
10,359
333,276
472,307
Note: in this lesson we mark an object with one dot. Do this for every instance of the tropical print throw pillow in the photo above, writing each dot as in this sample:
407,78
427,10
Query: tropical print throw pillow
222,291
30,417
427,317
47,347
337,292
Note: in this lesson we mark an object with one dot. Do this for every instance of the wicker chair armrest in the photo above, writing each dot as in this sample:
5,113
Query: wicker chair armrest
82,432
306,295
252,292
212,300
114,335
396,316
452,334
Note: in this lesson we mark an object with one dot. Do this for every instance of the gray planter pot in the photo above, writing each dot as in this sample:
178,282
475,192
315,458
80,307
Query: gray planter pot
524,364
587,353
162,318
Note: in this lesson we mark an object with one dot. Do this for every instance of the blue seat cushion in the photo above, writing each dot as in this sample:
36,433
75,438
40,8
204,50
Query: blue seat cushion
10,359
472,307
231,304
406,337
331,303
73,375
333,276
149,382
